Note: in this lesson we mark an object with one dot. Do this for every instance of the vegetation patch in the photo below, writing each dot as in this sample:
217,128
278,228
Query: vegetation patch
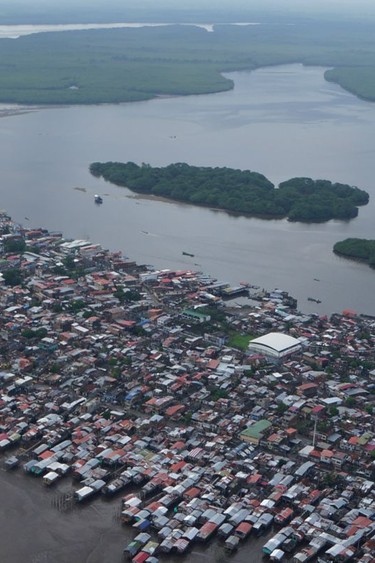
240,341
238,191
124,65
357,249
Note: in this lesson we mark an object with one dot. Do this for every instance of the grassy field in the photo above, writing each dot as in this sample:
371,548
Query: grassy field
123,65
240,341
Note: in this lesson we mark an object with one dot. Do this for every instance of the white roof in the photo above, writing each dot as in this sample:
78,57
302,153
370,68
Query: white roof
277,554
52,475
277,341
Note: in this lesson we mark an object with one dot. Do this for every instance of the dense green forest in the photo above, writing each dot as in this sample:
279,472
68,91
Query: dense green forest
238,191
357,249
122,65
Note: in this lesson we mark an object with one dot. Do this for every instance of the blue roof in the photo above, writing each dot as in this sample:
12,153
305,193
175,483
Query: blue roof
133,393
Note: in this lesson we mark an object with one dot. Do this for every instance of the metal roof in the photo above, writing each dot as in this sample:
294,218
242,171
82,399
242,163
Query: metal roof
276,341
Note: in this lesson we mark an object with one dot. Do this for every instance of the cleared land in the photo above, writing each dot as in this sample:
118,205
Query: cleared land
123,65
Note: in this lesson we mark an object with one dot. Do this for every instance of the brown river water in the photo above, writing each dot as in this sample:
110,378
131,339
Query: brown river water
282,121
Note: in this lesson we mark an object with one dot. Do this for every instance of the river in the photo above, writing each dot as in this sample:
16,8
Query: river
282,121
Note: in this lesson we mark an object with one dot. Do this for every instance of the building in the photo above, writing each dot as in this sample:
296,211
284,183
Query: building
275,345
254,433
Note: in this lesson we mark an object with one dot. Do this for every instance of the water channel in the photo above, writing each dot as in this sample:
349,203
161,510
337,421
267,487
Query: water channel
282,121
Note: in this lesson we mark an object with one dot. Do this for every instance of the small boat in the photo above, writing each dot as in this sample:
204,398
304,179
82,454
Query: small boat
313,299
98,199
187,254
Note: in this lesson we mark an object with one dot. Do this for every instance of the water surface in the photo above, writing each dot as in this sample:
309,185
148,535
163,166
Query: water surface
282,121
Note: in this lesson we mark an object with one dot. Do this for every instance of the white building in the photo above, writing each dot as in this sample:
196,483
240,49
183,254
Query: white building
275,344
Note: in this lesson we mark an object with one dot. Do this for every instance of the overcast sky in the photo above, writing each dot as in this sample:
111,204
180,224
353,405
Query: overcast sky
119,8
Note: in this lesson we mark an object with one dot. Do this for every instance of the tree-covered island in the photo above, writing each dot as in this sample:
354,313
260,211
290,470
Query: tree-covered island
357,249
238,191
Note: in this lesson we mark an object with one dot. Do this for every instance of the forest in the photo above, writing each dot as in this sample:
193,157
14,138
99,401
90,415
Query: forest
125,65
238,191
357,249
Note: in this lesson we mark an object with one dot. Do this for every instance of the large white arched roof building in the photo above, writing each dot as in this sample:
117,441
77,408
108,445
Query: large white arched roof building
275,344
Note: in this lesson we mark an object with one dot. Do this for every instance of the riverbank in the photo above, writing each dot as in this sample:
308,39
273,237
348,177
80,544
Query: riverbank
9,110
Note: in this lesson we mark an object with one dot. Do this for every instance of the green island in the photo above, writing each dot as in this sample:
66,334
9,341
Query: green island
238,191
125,65
359,249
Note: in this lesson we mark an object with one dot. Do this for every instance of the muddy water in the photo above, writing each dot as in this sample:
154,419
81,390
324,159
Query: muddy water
41,525
283,121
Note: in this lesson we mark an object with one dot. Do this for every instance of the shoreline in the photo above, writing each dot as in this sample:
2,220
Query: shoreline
9,31
160,96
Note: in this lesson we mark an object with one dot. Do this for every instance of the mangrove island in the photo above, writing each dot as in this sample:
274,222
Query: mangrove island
359,249
238,191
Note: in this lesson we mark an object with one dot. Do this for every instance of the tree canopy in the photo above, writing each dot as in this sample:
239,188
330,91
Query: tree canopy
357,249
239,191
13,276
124,65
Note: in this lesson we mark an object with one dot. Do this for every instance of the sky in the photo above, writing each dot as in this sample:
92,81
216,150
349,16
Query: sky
114,10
